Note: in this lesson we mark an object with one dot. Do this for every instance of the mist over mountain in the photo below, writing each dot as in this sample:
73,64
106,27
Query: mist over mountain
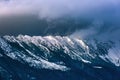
59,40
62,17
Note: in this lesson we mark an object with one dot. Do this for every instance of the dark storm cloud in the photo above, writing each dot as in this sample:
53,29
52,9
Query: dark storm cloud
60,17
31,25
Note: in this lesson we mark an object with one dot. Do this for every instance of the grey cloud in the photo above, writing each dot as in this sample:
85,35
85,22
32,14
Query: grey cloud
63,17
57,8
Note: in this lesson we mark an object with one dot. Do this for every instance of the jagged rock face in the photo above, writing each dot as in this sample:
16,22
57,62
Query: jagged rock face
37,57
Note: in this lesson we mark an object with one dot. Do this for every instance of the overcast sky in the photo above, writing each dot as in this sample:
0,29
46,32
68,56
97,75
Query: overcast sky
57,8
24,16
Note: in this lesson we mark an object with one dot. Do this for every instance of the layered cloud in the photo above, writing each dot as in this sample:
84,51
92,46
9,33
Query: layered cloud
101,16
58,8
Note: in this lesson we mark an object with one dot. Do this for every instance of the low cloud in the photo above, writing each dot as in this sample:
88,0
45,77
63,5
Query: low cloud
103,16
